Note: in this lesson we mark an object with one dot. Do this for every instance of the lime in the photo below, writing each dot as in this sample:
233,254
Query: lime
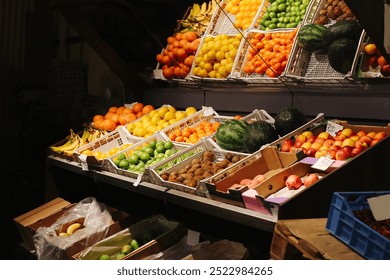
168,145
121,156
126,249
169,152
124,163
159,143
138,153
104,257
159,149
134,244
145,157
152,144
120,256
149,150
117,161
133,159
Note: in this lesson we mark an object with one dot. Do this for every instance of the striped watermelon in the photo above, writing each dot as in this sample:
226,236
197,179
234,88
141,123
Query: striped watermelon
310,37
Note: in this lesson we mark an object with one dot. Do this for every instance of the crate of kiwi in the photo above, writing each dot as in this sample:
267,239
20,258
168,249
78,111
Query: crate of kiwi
327,12
189,166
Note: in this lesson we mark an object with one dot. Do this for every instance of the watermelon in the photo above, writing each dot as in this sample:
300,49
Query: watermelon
230,135
259,134
309,37
341,54
288,119
342,29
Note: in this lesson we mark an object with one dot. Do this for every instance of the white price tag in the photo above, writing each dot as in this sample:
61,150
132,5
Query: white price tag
139,178
380,207
323,163
208,112
192,237
332,128
83,162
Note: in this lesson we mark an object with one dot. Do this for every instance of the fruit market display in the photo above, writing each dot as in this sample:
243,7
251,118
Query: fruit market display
244,11
200,168
216,56
141,157
283,14
120,116
268,53
158,119
344,145
334,10
198,18
75,141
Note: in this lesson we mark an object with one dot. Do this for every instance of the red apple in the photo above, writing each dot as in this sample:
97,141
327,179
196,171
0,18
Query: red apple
365,138
311,139
332,153
380,135
341,154
385,70
374,141
305,146
325,135
286,145
328,143
348,149
293,182
310,179
373,62
361,133
311,152
340,137
371,134
298,144
334,147
356,151
319,140
316,146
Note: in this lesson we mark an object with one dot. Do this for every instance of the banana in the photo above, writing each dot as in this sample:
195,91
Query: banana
58,148
72,228
85,134
203,8
195,9
73,146
63,234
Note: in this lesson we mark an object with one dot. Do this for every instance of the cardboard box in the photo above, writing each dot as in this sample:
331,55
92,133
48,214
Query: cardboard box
165,233
270,194
223,187
47,214
29,222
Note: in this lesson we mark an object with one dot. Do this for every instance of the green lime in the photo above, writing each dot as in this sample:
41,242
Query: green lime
121,156
159,143
138,153
104,257
133,159
145,157
168,145
120,256
169,152
134,244
124,163
160,149
152,144
117,161
126,249
149,150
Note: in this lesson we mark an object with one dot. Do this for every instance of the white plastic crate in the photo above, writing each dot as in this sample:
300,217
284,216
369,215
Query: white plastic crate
139,176
114,139
241,61
183,159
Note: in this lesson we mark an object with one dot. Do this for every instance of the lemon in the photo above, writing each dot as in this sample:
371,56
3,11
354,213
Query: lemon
179,115
87,152
155,119
190,110
172,121
169,116
171,109
162,111
152,113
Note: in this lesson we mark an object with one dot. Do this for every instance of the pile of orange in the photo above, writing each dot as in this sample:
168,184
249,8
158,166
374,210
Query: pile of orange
120,116
268,53
177,58
192,135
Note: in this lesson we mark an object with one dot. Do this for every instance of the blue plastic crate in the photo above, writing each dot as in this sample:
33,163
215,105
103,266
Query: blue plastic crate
343,224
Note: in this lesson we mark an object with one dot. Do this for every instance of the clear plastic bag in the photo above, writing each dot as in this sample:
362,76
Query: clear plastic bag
95,219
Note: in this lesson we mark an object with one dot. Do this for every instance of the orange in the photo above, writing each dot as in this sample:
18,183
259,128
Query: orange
171,39
139,114
168,73
137,107
190,36
370,49
113,109
381,61
130,117
147,109
128,111
97,117
122,119
120,110
98,123
108,124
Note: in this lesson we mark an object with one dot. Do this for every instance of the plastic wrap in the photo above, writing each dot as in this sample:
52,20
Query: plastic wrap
95,219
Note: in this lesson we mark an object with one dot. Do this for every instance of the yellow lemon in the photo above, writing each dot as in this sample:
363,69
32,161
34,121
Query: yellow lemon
190,110
169,115
171,109
162,111
179,115
155,119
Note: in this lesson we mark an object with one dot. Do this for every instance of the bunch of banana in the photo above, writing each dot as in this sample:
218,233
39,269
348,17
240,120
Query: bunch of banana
199,17
95,134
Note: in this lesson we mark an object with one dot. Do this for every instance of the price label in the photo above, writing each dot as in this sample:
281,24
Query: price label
333,127
193,237
208,112
323,163
380,207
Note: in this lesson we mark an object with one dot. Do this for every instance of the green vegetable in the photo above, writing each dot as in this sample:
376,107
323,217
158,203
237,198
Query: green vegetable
258,134
341,54
230,135
310,37
288,119
342,29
